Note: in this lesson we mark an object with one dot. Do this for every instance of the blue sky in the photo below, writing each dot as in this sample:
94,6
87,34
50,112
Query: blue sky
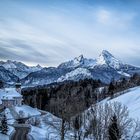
49,32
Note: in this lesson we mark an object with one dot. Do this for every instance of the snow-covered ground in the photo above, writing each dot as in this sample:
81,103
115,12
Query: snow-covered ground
49,126
27,111
6,137
38,133
131,99
47,129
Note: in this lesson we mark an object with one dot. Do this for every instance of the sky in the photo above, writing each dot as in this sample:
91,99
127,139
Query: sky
49,32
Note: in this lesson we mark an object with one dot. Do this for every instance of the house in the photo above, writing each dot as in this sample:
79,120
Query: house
11,96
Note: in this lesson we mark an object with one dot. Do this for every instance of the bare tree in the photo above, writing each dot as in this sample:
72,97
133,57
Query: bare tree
135,131
99,120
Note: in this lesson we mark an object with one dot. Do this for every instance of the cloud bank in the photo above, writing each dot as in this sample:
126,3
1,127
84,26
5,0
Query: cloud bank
51,32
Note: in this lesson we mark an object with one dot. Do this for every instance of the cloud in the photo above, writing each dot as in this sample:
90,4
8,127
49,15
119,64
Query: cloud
22,42
103,16
55,34
115,19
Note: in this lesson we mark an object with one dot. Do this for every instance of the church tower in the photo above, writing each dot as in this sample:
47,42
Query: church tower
18,86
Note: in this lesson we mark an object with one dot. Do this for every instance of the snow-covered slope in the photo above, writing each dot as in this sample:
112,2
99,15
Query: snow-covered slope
131,99
77,74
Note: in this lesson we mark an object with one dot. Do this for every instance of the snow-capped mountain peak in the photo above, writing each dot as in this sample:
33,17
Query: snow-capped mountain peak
106,53
19,69
108,59
105,58
105,67
79,58
79,61
38,66
35,68
8,64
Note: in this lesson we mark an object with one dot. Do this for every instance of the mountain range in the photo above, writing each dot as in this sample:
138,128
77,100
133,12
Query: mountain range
106,67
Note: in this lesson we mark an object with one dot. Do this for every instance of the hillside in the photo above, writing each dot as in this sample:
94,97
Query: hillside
131,99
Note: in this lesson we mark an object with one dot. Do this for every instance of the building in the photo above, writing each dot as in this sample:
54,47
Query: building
11,96
18,87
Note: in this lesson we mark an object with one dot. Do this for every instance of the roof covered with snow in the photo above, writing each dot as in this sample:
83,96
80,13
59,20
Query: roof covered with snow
27,111
9,93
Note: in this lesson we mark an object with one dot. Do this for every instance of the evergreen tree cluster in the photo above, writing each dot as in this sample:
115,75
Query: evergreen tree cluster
56,98
4,125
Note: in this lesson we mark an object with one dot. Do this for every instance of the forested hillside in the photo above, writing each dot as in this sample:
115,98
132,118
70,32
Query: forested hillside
74,97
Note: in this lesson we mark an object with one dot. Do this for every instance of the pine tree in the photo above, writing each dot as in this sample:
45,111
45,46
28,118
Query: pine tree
113,130
0,127
111,89
1,84
77,125
4,125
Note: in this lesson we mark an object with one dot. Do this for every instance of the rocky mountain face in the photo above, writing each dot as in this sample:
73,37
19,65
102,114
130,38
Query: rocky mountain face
44,76
106,67
7,76
19,69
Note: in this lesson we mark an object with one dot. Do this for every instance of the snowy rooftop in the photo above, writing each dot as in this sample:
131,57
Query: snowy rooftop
27,111
8,93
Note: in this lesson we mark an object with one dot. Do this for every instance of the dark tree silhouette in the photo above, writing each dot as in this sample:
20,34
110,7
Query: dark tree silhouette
76,123
111,89
113,130
4,125
77,126
1,84
0,127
